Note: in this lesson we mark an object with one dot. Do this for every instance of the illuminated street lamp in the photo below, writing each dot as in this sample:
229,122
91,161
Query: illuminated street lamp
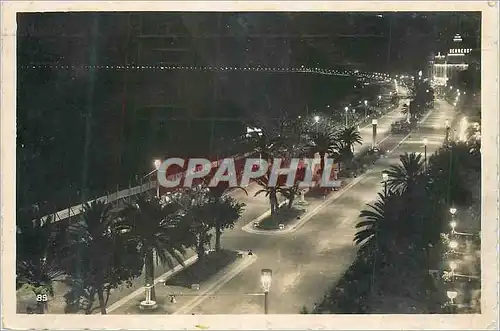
157,164
453,211
346,109
366,107
453,225
452,295
266,277
316,121
453,244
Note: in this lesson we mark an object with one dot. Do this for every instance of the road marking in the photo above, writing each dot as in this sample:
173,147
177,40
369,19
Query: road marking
223,280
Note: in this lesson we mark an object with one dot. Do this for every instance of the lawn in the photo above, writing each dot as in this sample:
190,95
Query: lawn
201,271
285,215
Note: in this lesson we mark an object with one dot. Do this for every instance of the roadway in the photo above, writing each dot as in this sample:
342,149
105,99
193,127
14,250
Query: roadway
308,262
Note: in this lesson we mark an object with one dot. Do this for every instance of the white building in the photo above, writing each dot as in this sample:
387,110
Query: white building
444,67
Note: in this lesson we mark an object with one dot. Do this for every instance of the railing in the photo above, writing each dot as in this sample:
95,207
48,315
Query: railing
76,210
123,194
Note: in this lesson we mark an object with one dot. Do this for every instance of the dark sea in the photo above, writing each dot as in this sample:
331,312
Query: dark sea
144,115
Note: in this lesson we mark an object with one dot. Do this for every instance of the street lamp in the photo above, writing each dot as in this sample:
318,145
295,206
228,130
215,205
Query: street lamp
266,277
316,121
346,109
453,266
452,295
366,107
453,225
453,211
374,129
157,164
385,176
425,141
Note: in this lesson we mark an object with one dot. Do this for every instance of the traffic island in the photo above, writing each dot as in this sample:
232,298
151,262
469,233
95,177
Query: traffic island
283,217
184,286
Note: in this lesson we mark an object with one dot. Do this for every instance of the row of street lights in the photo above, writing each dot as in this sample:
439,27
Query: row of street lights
365,103
452,275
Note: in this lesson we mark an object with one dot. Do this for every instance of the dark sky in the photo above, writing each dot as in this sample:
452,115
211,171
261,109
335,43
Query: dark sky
327,39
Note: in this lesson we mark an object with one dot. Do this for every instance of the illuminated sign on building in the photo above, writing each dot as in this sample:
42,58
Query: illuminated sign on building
450,65
457,38
457,51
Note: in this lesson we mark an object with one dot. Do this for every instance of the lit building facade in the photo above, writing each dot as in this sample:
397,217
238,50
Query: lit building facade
445,67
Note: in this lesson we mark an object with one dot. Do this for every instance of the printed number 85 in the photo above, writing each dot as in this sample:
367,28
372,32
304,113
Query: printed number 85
41,297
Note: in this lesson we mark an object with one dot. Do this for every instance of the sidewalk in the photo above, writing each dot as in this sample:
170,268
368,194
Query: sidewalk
185,298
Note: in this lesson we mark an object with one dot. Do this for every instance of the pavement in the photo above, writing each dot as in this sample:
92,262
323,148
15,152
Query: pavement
309,261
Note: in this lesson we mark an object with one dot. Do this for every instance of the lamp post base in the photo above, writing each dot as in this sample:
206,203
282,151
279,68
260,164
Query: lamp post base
148,305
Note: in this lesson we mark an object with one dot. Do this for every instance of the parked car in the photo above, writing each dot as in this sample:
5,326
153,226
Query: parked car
401,127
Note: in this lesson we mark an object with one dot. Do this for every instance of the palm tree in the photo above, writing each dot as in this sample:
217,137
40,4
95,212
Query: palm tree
347,138
223,208
101,259
380,225
269,191
265,144
407,175
324,142
221,213
157,231
384,233
449,169
38,257
91,244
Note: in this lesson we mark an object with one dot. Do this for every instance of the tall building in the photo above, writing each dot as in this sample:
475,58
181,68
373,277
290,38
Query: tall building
446,66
